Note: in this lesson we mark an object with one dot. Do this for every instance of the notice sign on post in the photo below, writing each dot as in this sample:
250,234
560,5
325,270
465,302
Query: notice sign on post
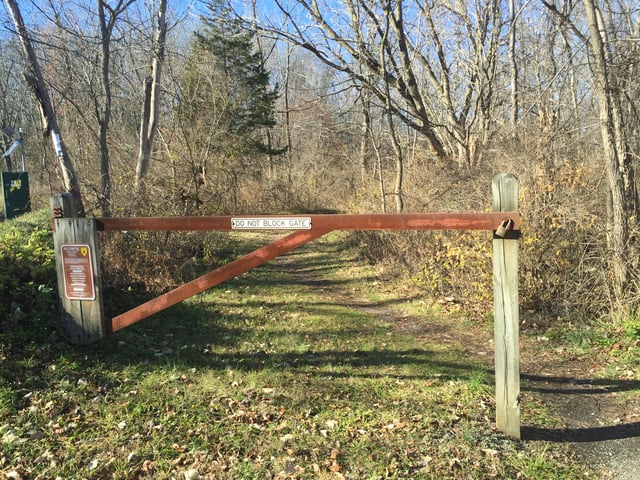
78,272
271,223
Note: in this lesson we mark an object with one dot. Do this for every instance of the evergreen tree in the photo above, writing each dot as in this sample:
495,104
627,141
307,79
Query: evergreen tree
227,99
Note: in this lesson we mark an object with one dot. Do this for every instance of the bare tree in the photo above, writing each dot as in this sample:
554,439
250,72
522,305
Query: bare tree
286,81
11,100
395,141
48,118
151,102
440,60
364,98
513,62
618,161
107,17
622,196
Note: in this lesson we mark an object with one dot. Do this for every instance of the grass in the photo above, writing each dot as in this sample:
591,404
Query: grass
262,377
610,346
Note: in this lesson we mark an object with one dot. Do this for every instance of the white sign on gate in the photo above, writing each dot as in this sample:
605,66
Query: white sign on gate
271,223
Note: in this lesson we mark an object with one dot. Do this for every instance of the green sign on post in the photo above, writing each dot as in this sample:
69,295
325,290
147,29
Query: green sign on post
15,193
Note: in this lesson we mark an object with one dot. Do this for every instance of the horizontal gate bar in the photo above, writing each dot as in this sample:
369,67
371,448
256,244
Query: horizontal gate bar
400,221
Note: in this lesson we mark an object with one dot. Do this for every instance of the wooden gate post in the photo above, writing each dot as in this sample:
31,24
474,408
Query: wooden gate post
78,269
506,315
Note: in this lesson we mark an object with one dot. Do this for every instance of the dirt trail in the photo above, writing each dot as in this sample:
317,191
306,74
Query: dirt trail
601,423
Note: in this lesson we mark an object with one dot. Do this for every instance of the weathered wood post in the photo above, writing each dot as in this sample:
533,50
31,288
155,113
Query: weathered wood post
506,314
78,268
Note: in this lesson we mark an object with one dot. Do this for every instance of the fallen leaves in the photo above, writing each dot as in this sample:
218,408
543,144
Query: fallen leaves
395,425
331,424
252,396
286,438
18,474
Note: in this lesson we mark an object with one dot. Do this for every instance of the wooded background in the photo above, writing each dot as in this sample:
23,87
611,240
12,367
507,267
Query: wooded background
359,106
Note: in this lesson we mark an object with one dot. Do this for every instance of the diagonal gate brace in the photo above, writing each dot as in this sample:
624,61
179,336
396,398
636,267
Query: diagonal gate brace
216,277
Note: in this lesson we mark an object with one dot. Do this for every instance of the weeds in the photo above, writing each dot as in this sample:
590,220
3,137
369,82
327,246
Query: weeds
27,279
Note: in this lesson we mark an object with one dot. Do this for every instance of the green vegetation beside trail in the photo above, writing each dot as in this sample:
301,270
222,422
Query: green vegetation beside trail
28,288
270,375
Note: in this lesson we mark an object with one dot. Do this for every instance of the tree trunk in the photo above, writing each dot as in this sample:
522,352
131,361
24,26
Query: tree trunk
515,106
287,113
618,168
107,16
103,109
151,102
397,148
397,190
365,133
381,182
34,79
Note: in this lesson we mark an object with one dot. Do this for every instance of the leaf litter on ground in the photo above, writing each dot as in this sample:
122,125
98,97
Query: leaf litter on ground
267,376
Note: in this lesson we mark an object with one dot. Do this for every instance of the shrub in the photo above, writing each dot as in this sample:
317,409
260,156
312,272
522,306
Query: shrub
137,265
563,266
563,269
28,286
443,264
458,265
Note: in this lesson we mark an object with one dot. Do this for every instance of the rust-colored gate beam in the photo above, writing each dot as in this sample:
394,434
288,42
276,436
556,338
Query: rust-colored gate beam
313,226
211,279
405,221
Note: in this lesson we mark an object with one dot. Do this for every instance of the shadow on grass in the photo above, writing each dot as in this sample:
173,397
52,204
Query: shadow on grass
219,343
207,337
182,340
307,273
